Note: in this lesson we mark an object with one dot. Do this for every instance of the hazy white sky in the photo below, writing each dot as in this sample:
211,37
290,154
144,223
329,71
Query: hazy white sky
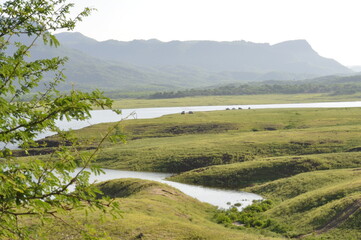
332,27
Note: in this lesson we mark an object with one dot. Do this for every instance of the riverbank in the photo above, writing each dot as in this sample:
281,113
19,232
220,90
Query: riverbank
234,100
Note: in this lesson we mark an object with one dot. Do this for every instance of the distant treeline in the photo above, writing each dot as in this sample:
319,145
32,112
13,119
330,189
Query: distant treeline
265,88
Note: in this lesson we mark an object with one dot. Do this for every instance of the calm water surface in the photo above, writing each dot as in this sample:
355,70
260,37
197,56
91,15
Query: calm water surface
214,196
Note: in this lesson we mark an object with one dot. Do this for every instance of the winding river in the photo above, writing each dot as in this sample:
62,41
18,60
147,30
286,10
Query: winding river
218,197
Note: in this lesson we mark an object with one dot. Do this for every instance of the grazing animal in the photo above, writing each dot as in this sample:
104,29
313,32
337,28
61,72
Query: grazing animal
183,112
190,112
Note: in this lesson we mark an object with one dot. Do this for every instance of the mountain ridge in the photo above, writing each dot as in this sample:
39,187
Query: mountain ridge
91,66
295,56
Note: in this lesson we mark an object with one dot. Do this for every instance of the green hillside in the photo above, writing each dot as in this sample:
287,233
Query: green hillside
150,210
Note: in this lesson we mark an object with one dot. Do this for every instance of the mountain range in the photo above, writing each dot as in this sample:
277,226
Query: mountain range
152,65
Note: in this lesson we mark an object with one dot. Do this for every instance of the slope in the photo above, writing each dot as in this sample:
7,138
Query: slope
150,210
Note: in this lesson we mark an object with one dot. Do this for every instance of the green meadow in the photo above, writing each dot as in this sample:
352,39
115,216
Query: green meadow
307,162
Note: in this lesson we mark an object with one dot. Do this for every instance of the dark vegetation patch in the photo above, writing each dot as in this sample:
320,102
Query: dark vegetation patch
167,130
176,164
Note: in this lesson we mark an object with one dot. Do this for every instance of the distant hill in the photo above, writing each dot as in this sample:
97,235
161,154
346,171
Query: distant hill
87,72
153,65
238,56
356,68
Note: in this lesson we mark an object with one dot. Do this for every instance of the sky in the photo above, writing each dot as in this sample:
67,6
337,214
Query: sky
332,27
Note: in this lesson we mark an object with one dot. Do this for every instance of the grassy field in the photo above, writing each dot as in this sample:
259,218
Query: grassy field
234,100
177,143
265,170
307,161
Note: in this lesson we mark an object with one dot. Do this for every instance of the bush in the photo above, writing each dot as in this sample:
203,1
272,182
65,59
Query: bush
251,216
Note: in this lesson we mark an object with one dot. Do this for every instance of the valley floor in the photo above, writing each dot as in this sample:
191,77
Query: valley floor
306,162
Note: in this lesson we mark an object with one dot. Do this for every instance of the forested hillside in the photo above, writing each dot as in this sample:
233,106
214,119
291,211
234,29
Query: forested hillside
334,85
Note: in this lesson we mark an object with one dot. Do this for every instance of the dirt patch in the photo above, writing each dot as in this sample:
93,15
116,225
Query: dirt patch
172,194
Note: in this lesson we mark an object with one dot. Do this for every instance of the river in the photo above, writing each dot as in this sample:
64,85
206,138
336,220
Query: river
217,197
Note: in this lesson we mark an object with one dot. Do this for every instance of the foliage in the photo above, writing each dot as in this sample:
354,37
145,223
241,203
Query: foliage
250,217
39,188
